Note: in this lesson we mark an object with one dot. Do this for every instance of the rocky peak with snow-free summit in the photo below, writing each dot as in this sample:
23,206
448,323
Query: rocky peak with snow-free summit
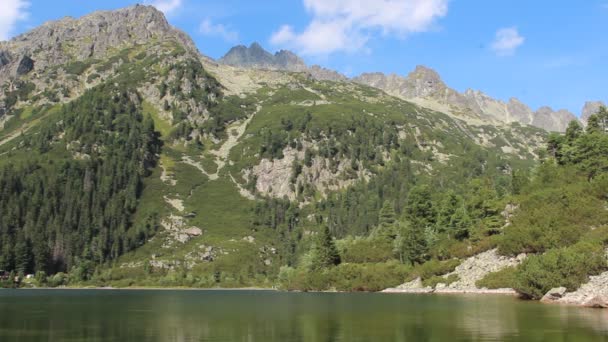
425,87
89,37
255,57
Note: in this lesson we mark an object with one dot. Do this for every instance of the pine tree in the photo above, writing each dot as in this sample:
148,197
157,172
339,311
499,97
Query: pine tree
324,251
460,223
411,244
386,219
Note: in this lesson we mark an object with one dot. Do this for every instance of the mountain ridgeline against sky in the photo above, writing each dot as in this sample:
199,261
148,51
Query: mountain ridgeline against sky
423,86
128,158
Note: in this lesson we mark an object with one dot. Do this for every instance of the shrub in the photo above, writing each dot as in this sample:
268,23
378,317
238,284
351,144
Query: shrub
365,250
433,268
368,277
434,280
76,68
568,267
502,279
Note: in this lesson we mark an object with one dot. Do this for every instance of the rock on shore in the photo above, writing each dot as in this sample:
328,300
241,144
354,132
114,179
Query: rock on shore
592,294
469,272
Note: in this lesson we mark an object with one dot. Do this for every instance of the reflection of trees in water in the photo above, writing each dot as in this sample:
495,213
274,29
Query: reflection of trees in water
488,318
257,316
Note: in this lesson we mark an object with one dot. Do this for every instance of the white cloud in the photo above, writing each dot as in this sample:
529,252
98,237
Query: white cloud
507,40
166,6
11,11
347,25
208,28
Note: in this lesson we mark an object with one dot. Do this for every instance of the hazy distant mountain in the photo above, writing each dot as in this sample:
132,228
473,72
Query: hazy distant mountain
425,87
255,56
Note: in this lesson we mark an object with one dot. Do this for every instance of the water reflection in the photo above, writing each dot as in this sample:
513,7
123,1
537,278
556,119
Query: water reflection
268,316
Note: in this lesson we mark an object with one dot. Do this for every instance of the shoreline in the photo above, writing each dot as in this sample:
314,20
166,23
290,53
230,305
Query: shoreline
389,291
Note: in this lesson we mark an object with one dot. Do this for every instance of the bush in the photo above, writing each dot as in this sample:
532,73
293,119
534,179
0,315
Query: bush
76,68
502,279
434,280
568,267
365,250
433,268
559,210
345,277
58,279
368,277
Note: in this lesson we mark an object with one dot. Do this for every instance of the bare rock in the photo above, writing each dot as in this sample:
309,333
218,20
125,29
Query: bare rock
193,231
554,295
25,66
599,302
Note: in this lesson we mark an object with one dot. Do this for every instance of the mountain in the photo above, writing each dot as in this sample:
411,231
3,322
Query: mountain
422,86
255,56
130,159
425,87
590,108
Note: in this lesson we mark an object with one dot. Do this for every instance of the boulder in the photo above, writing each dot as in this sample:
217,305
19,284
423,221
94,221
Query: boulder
193,231
599,301
5,58
25,66
554,294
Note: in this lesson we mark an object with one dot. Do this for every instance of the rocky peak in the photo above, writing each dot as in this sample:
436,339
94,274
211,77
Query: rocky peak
91,36
550,120
423,72
590,108
255,56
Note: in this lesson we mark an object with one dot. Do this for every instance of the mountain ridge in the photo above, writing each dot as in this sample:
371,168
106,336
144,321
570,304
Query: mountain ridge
423,86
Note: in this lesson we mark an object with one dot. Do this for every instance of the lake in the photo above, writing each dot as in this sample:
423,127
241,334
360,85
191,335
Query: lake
222,315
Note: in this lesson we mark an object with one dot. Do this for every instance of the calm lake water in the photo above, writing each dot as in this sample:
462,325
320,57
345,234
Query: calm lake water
133,315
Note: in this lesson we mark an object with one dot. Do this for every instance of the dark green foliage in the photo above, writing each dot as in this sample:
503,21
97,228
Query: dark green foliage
345,277
66,212
568,267
557,209
76,68
324,252
387,222
420,209
411,245
434,280
366,250
22,91
502,279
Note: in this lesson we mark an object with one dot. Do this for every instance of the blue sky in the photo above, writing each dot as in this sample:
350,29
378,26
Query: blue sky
543,52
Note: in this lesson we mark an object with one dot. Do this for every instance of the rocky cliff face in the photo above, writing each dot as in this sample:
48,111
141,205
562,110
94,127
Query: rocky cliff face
547,118
59,60
255,56
92,36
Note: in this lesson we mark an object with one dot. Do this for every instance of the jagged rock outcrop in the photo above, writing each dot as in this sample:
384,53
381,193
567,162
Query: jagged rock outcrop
256,57
550,120
91,36
590,108
425,87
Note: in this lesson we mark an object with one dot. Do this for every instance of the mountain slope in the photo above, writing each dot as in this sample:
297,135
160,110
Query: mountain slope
249,165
